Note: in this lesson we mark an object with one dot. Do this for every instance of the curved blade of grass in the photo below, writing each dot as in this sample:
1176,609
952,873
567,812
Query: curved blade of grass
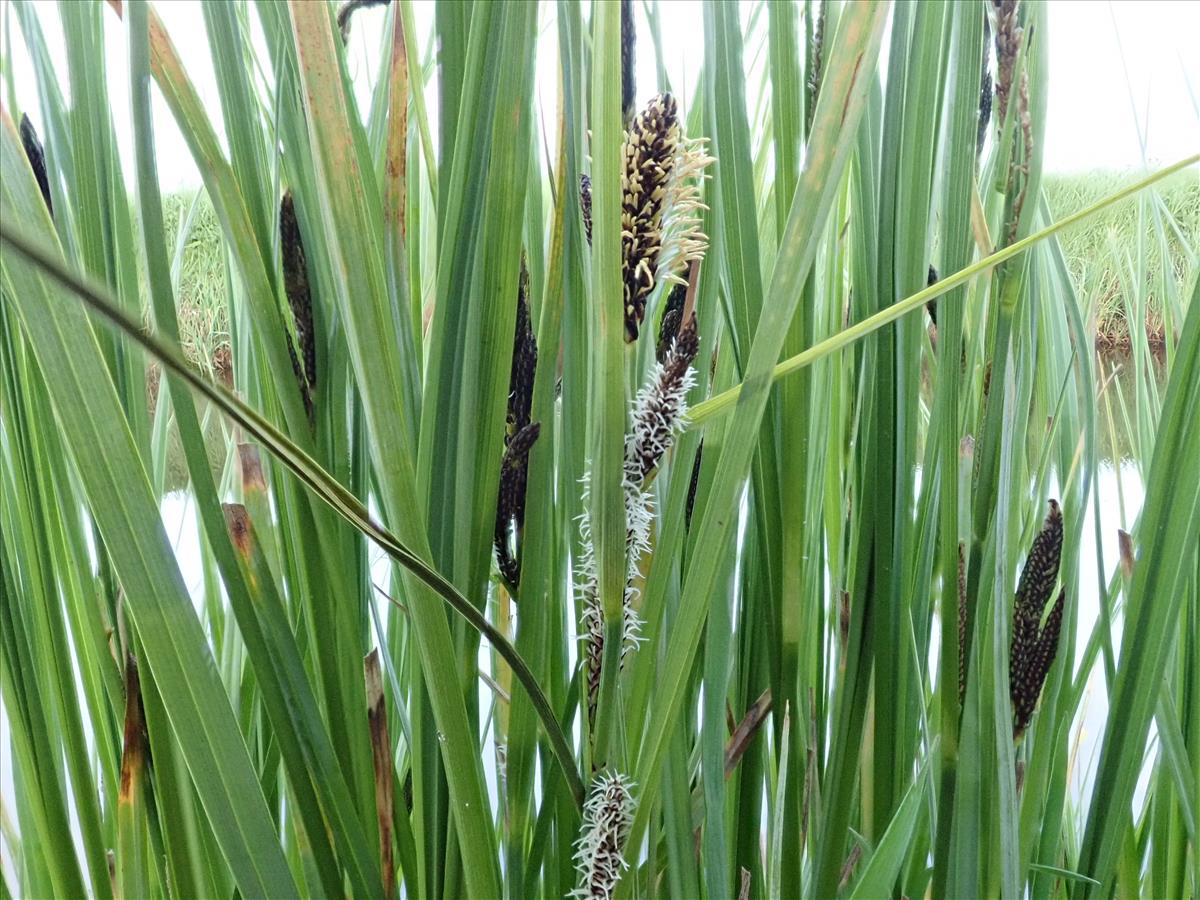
321,482
719,404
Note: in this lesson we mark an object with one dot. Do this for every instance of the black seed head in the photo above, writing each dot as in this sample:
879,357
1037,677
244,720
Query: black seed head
1033,644
931,305
628,59
37,160
295,284
585,204
672,315
520,435
649,155
348,9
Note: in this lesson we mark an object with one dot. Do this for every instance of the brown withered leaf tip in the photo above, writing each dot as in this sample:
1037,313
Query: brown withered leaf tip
1034,645
136,747
253,480
37,160
852,860
238,522
520,435
381,746
745,730
649,156
295,284
744,874
1125,544
585,205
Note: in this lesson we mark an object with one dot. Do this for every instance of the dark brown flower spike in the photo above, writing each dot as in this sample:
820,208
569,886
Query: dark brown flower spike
693,486
519,438
1008,46
931,305
585,204
510,501
672,316
628,60
817,63
1010,36
303,349
649,157
985,91
37,160
1033,644
348,9
660,203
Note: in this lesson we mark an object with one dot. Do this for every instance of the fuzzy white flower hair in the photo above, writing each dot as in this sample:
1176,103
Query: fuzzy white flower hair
681,238
599,852
659,413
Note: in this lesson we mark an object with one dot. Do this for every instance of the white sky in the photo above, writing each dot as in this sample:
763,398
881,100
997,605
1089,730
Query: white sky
1123,73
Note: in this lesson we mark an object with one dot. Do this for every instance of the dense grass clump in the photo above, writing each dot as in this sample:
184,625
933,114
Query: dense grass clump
636,493
1135,250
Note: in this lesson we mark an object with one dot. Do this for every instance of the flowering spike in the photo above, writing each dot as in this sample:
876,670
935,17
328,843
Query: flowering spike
672,316
599,853
585,205
649,159
682,240
295,285
658,414
628,42
1034,645
520,435
37,160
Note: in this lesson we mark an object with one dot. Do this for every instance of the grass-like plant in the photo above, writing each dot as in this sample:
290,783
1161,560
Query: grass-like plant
816,636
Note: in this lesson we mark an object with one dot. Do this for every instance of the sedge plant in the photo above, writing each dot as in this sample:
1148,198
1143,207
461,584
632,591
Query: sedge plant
590,500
